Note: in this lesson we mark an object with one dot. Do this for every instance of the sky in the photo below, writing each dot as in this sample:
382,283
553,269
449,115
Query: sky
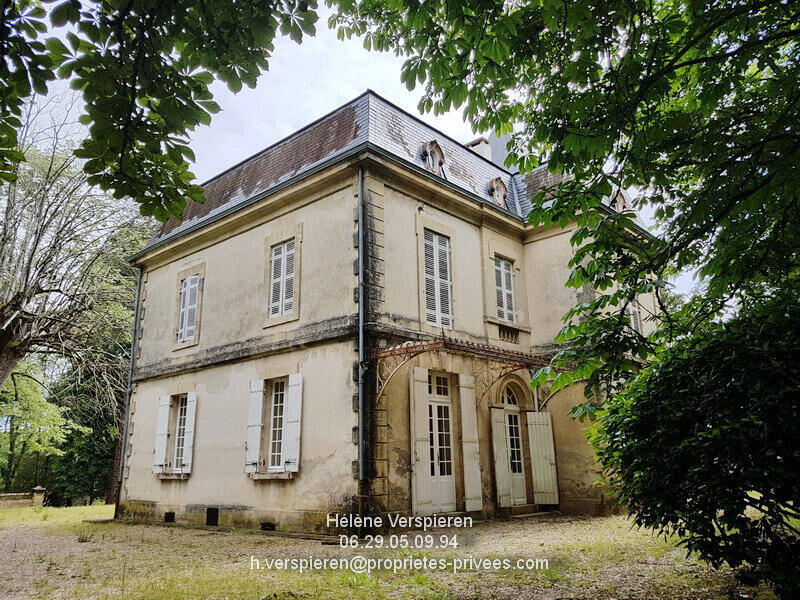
304,82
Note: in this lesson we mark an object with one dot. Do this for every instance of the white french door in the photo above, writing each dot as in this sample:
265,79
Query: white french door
440,457
516,465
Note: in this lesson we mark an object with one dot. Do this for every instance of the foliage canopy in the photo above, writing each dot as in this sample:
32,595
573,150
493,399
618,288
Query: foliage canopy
144,68
697,104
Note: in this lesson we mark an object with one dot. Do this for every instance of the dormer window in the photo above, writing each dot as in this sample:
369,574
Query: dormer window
434,157
499,192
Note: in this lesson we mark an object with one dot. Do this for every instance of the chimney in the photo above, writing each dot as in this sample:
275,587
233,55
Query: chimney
481,146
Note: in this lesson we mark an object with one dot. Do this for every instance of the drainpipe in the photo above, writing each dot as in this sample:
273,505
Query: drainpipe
134,336
361,324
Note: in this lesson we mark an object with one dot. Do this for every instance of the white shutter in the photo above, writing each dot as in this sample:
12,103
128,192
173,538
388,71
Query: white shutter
445,285
182,312
438,284
188,436
421,492
504,287
431,304
255,425
288,278
292,413
190,291
473,492
502,476
543,458
276,281
162,433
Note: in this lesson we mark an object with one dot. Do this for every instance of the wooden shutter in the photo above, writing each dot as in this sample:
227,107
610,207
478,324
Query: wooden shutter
188,435
504,287
445,285
543,458
288,277
255,426
421,492
190,306
502,476
182,297
162,434
276,280
473,492
292,413
438,284
431,304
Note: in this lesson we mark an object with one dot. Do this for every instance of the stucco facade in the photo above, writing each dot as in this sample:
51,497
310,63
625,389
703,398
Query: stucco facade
252,419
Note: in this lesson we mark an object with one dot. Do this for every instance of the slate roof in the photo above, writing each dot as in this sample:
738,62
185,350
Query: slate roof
367,121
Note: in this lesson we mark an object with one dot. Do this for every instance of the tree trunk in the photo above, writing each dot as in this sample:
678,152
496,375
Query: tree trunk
9,359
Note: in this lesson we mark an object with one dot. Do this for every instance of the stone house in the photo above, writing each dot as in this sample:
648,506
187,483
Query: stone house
349,323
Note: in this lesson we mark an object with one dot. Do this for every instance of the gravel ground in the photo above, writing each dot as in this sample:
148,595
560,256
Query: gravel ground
588,558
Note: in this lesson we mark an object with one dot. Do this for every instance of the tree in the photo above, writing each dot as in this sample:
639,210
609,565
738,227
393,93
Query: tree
707,448
695,104
55,233
144,68
28,424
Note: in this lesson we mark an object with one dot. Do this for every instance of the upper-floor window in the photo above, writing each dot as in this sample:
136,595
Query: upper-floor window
282,264
438,280
189,300
504,288
635,316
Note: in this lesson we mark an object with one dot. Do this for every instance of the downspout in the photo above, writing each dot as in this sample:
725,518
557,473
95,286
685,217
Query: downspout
361,336
123,445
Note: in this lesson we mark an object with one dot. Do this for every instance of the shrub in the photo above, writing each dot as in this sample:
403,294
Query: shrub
703,443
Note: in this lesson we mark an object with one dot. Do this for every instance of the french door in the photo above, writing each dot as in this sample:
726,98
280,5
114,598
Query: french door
440,457
516,464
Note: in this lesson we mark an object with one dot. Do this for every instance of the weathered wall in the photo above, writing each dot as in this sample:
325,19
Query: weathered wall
325,478
578,471
235,287
21,499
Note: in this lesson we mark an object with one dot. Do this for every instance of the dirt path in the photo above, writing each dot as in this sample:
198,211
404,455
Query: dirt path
586,558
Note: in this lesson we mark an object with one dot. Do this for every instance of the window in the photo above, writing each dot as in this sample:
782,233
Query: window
635,316
439,385
276,424
508,397
180,429
273,427
282,266
514,443
187,316
504,288
438,284
174,441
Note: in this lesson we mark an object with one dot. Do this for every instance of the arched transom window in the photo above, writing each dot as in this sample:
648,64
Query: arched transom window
508,397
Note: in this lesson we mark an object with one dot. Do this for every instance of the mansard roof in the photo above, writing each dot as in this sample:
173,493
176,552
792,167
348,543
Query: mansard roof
368,121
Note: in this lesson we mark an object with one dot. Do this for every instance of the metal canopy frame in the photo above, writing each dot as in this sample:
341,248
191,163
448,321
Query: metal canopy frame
499,361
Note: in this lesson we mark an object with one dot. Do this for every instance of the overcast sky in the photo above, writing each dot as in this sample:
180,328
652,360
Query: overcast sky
303,83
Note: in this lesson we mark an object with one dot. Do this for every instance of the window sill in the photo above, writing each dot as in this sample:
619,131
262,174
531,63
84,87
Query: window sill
173,475
278,476
518,326
267,321
187,344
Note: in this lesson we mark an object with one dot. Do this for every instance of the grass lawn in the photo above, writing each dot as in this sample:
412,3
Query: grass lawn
52,553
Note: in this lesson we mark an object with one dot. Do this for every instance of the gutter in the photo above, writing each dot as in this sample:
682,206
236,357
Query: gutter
129,393
361,325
